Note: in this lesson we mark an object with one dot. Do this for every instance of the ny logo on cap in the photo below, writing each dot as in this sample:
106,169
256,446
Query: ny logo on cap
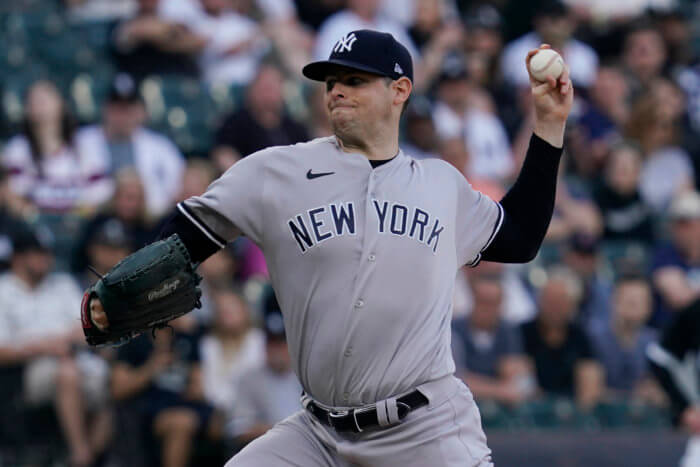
398,69
345,43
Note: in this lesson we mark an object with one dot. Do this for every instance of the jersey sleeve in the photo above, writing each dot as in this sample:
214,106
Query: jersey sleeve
232,205
478,220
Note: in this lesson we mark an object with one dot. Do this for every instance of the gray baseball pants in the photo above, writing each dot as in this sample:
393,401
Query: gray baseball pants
445,433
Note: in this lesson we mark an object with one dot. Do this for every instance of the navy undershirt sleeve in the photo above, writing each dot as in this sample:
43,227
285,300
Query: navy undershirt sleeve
528,206
197,243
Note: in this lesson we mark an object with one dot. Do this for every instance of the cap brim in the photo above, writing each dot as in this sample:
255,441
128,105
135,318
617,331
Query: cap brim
318,71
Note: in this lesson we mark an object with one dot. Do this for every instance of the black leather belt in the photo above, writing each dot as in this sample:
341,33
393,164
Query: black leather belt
360,419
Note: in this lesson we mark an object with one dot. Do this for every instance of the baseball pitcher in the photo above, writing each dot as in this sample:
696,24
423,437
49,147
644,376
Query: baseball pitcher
362,243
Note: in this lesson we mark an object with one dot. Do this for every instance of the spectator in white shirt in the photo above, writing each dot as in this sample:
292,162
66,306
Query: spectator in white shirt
232,346
554,26
270,392
234,43
122,140
461,110
40,330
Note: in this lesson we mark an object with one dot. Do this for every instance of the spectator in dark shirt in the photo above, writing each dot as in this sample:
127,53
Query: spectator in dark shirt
582,257
626,217
621,345
676,265
559,348
488,351
165,374
262,122
146,44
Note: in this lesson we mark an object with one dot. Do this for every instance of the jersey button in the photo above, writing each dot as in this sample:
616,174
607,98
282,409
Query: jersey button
346,396
372,257
348,351
360,303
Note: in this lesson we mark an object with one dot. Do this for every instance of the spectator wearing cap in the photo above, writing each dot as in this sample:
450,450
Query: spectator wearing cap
147,44
675,268
109,243
40,331
47,170
553,25
463,111
260,123
621,343
270,392
230,347
122,139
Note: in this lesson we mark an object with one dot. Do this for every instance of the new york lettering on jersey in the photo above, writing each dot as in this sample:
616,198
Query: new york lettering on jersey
325,222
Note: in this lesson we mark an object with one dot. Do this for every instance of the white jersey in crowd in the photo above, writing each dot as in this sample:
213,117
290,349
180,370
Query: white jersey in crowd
157,160
28,315
484,136
344,21
362,260
581,58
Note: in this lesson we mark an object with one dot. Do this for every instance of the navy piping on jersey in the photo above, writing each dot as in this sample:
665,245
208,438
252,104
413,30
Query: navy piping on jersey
199,240
496,228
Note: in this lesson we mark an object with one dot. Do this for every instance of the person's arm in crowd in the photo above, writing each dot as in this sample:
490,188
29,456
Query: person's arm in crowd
128,380
170,37
433,55
195,385
529,204
589,378
674,288
511,386
55,347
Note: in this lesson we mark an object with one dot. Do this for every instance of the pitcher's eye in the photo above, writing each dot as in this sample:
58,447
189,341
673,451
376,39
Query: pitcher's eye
330,83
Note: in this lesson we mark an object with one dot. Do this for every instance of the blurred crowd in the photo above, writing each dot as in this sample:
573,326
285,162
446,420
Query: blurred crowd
114,110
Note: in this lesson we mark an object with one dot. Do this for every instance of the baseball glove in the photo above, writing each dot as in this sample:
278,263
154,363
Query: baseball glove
145,290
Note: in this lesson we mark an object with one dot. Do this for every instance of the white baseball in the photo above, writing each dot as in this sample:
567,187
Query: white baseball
545,63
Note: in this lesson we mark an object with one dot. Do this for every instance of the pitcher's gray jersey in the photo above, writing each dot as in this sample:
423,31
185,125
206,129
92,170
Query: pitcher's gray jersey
363,260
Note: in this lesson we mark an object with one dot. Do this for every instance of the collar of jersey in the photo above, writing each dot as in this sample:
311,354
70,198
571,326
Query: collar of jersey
359,156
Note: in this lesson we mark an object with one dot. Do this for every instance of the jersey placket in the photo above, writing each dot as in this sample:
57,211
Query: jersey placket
360,303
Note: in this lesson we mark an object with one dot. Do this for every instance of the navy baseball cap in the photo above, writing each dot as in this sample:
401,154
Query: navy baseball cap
366,50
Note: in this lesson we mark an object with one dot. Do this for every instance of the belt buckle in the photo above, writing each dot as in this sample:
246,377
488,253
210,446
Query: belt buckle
336,414
361,410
